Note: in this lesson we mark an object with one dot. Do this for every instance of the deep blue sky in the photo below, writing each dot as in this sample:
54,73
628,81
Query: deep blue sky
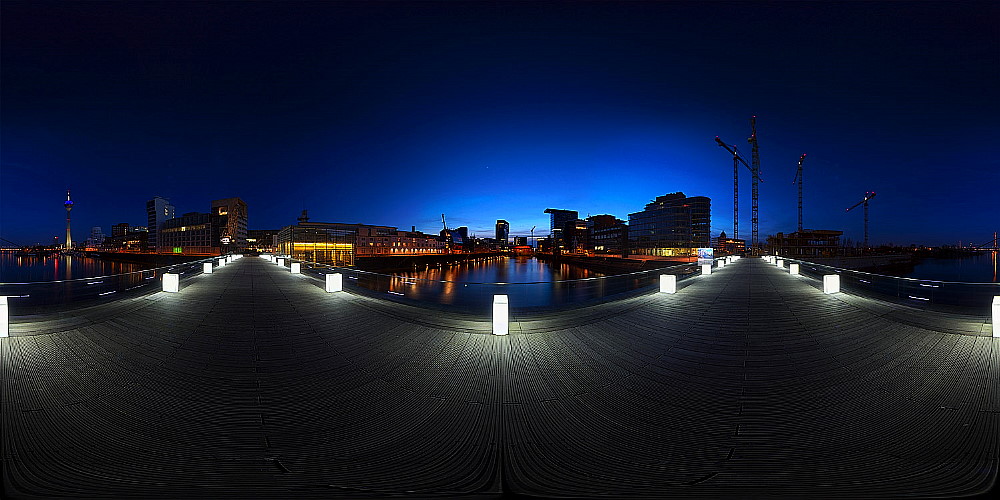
392,113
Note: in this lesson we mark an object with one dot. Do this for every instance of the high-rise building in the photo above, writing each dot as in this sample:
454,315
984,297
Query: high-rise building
119,229
230,222
503,232
558,219
192,234
608,234
671,225
520,241
158,211
96,237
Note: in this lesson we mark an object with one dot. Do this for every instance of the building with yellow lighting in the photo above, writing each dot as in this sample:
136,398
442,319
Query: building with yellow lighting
340,244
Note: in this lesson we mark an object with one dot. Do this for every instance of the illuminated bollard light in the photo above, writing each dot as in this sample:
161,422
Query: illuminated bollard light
722,263
296,268
996,315
281,262
5,317
501,311
706,269
793,269
171,282
831,283
779,263
668,283
206,268
222,262
334,282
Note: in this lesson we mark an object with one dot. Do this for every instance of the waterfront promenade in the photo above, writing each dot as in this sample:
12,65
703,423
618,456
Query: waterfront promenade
253,382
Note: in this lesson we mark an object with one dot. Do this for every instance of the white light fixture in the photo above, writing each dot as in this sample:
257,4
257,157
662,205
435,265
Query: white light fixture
296,268
793,269
501,310
706,269
5,317
722,263
334,282
779,263
281,262
668,283
206,268
171,282
222,262
996,315
831,283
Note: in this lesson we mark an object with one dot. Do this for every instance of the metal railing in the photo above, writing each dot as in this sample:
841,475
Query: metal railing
953,296
43,296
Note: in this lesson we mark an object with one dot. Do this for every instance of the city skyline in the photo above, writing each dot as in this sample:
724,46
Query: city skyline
360,113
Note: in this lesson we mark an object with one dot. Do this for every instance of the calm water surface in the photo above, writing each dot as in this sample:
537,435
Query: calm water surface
973,269
30,268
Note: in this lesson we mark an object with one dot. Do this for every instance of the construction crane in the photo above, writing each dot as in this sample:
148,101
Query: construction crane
446,235
755,156
533,235
869,195
737,159
798,177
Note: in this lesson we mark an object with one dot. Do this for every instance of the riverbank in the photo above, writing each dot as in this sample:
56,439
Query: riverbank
881,264
148,260
419,262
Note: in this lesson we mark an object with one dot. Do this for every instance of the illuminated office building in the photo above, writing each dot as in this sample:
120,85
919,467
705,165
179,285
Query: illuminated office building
671,225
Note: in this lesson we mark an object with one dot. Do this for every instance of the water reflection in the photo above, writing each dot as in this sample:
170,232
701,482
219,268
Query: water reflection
529,282
32,268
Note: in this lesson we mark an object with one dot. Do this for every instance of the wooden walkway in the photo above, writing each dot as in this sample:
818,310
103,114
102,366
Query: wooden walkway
253,382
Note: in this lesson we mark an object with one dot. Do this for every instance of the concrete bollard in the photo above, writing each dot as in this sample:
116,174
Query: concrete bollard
281,262
206,268
793,269
296,268
334,282
706,269
171,282
722,263
668,283
501,312
779,263
222,262
831,283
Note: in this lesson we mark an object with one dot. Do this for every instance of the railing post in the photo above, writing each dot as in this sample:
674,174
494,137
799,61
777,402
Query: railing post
831,283
996,315
334,282
5,317
501,311
668,283
171,282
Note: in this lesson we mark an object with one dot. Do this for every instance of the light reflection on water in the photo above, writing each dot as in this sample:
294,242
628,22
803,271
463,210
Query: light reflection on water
31,268
980,268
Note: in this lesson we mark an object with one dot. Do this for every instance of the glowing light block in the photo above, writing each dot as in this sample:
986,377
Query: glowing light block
281,262
779,263
222,262
668,283
206,268
296,268
171,282
5,317
793,269
706,269
334,282
996,316
722,263
831,283
501,311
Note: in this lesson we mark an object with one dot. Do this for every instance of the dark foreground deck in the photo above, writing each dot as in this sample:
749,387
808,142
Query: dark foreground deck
253,382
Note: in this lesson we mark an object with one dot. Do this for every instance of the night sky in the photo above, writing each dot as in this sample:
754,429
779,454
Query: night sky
393,113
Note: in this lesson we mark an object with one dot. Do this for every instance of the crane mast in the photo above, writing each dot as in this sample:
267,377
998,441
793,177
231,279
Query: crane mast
869,195
737,159
755,156
798,178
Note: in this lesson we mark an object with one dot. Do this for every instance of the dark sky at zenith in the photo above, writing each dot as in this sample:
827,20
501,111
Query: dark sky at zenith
393,113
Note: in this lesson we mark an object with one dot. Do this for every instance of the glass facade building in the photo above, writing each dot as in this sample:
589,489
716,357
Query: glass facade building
671,225
323,242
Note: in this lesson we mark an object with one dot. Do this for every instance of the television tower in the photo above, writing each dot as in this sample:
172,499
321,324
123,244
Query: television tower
69,206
